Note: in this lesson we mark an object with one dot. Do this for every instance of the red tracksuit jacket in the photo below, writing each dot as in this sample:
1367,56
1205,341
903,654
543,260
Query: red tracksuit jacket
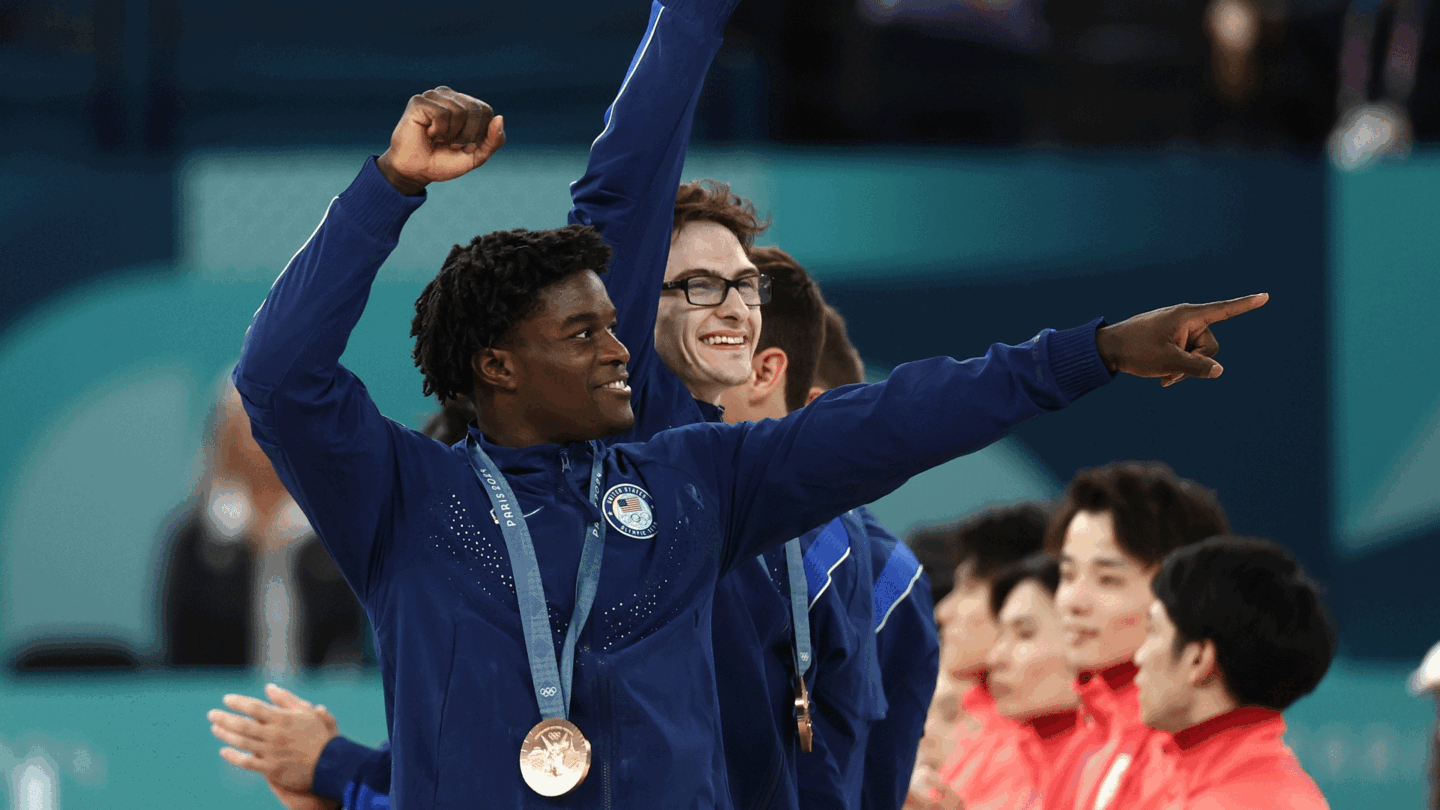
1236,761
1008,769
1105,745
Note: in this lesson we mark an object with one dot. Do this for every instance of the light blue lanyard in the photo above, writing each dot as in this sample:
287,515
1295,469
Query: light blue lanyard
799,603
552,683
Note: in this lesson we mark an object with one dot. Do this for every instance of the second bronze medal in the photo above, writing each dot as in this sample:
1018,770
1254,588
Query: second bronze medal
802,716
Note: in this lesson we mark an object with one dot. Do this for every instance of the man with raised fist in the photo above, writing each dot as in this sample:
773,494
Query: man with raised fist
498,684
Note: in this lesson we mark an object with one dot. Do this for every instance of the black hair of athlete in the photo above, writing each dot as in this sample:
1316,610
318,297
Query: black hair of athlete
990,541
487,287
1042,568
1273,638
840,362
1155,511
793,321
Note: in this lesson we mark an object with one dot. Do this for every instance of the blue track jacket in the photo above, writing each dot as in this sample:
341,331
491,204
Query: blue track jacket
908,651
628,195
411,530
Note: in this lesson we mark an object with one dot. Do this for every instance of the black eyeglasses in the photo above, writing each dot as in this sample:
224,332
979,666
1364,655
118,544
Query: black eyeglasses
710,291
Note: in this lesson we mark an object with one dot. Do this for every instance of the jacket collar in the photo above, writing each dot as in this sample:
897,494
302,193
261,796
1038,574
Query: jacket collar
1242,718
1106,682
710,413
521,460
1048,726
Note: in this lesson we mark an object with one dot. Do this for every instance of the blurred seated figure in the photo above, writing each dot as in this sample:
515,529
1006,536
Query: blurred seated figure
1030,681
963,714
247,582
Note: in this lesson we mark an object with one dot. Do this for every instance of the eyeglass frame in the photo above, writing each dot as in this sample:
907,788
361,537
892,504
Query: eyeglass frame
763,287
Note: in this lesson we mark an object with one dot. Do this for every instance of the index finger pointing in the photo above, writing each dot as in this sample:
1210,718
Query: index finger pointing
1221,310
258,709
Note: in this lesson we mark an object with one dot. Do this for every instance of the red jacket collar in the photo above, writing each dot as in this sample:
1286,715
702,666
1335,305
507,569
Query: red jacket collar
1242,717
1111,680
977,699
1048,726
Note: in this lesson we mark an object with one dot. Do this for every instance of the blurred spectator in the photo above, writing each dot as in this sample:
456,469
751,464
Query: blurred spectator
448,425
1030,680
1425,680
247,581
1379,60
1012,23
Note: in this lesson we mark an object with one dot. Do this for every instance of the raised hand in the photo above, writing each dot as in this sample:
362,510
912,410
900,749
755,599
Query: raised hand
283,740
1171,343
442,135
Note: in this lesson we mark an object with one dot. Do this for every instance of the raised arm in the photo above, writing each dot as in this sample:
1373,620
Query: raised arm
628,190
330,446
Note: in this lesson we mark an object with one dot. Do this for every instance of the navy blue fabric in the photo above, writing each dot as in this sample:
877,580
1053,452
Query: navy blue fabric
908,653
627,194
847,695
411,531
754,674
344,764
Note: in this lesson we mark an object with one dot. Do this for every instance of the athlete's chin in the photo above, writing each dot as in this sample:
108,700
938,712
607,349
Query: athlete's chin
619,420
730,374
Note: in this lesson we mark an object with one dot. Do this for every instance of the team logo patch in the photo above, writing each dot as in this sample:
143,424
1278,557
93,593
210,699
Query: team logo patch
630,510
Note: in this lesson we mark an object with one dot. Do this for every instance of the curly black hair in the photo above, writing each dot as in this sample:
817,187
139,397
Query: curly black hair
484,289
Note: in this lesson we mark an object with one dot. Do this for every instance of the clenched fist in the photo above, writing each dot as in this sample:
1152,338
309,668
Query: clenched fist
442,135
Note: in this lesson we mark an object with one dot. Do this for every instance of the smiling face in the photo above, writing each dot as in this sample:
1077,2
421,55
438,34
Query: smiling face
709,348
1029,674
967,630
568,367
1103,597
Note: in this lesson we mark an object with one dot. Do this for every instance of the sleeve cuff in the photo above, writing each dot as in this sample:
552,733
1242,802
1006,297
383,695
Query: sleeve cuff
338,765
1075,361
375,206
710,15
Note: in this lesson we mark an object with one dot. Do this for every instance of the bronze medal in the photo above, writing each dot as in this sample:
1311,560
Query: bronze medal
555,757
802,715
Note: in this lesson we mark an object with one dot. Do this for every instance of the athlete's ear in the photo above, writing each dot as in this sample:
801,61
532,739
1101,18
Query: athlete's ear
495,368
1204,665
767,372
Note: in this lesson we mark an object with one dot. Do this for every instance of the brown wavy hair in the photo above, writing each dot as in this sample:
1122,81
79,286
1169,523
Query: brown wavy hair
713,201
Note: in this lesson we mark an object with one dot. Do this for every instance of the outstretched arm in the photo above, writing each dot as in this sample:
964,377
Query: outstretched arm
857,443
330,446
628,190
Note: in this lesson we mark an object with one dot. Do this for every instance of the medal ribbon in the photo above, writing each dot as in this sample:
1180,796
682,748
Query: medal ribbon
799,603
552,682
